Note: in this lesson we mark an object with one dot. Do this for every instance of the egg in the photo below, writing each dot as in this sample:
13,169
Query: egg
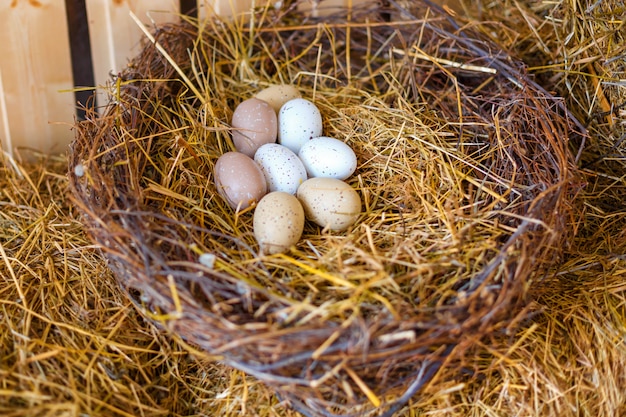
254,124
278,222
299,121
239,180
278,94
329,202
328,157
282,168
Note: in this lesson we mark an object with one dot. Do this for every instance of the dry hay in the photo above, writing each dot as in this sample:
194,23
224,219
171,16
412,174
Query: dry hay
71,344
568,360
464,171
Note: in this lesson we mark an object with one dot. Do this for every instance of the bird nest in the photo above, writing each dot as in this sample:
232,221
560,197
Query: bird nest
463,169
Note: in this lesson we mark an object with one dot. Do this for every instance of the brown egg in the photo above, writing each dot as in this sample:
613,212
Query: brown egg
255,124
239,180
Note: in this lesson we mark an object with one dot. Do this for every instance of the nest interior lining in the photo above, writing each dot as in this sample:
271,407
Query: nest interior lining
465,177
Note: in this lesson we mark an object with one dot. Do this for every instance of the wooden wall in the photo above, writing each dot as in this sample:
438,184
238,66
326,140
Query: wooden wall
49,47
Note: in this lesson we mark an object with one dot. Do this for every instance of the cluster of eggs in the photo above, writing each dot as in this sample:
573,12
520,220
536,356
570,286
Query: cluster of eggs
285,165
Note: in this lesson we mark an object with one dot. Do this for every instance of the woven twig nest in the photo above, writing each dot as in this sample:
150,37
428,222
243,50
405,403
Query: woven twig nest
463,169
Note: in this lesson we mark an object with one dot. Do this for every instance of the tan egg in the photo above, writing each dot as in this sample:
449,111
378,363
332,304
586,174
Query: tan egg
278,222
255,123
239,180
278,94
329,202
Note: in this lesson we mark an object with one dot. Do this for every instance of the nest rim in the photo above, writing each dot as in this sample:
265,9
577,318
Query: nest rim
169,304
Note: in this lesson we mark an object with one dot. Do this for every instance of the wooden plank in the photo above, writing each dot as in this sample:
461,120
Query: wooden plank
115,37
36,64
228,8
34,68
320,8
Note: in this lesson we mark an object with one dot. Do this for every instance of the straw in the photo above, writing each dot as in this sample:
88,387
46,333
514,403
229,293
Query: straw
464,169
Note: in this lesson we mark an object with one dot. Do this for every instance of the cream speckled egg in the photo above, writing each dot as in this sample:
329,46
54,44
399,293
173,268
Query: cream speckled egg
329,202
239,179
255,124
278,94
299,121
278,222
328,157
283,169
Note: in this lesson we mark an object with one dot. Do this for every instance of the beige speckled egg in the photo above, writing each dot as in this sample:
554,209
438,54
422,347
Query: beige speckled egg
239,179
329,202
255,123
278,94
278,222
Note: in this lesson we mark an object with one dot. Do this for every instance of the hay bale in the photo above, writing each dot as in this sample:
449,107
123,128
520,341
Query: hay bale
464,170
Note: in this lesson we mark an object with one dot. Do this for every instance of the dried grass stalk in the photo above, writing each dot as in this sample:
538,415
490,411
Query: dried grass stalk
464,170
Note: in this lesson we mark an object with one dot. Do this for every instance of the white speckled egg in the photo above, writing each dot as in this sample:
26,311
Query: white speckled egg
239,179
299,121
278,222
255,124
329,202
282,168
328,157
278,94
